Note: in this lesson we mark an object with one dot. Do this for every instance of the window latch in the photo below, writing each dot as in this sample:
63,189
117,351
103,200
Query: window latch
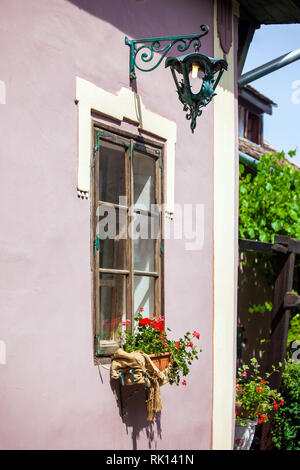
99,351
128,146
96,245
158,152
96,148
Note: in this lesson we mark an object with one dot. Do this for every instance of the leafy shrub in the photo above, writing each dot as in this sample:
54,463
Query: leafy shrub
286,432
269,201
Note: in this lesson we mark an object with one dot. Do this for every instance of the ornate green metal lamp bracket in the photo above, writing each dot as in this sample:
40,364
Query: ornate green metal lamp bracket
196,76
151,45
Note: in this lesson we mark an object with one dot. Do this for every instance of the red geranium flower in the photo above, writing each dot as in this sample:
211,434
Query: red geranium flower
184,382
259,389
177,345
196,334
275,405
189,344
158,325
145,322
262,418
160,319
281,403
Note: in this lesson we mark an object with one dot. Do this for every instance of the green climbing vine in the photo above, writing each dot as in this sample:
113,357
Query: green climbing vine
261,308
269,200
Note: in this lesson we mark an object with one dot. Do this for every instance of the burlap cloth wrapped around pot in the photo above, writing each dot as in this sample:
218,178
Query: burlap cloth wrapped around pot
145,372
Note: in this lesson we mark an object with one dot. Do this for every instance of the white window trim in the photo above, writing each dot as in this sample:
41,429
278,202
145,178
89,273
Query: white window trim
126,104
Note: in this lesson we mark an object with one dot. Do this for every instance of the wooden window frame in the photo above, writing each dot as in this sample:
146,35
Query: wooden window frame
256,133
130,143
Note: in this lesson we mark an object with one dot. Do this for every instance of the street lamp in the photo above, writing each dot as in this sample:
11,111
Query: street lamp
190,68
196,75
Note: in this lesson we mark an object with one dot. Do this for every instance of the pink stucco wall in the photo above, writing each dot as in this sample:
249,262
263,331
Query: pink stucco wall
51,395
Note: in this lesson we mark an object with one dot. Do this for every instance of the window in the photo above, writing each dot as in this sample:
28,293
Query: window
254,128
250,125
126,234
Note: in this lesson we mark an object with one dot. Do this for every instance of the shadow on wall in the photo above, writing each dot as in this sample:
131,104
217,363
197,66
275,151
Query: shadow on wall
151,18
254,288
131,401
123,14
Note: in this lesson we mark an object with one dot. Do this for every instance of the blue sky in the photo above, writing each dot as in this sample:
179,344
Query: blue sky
282,129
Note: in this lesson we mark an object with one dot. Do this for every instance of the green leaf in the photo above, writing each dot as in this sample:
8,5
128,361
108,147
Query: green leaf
268,187
251,233
263,237
276,225
269,306
243,189
293,215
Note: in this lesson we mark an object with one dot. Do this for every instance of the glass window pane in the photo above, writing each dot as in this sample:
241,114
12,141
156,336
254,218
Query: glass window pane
112,305
113,225
143,180
111,172
144,295
144,245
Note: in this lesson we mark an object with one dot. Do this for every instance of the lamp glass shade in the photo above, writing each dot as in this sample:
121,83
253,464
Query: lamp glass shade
195,93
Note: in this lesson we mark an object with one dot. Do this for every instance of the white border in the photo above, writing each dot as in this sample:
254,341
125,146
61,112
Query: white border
126,104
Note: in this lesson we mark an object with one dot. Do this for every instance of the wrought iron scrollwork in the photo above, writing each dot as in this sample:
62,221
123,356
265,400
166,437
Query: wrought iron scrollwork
146,52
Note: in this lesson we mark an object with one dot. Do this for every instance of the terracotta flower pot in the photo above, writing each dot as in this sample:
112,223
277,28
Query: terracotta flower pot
161,360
